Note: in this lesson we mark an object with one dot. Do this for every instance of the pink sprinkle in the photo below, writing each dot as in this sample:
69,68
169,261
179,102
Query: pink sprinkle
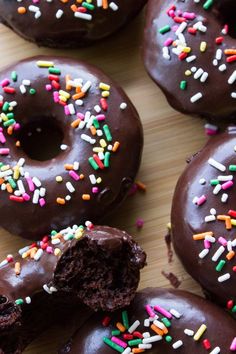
133,189
80,116
179,12
211,132
49,249
26,197
174,28
119,342
171,13
207,244
30,184
5,82
56,96
48,87
201,200
139,223
222,241
42,202
95,190
67,111
233,345
100,117
163,311
150,311
2,138
168,42
16,126
4,151
227,185
74,175
189,15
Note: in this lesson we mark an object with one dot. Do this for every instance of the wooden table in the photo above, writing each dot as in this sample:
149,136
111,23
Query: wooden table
170,137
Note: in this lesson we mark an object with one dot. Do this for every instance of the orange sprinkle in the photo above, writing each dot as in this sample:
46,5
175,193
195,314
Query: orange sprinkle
105,4
10,130
93,130
120,327
68,167
73,8
230,51
33,252
75,123
1,181
56,236
21,10
202,235
17,268
81,176
157,330
78,95
228,224
78,89
137,350
222,217
141,186
230,255
116,146
68,86
86,197
18,143
9,188
61,201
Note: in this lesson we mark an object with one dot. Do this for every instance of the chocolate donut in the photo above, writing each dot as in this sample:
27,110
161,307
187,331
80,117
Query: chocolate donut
186,323
203,218
98,267
68,23
70,145
189,51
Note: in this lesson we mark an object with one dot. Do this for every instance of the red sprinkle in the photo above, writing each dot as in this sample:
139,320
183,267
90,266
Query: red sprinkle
192,30
106,321
230,304
231,59
128,336
16,199
219,40
10,90
206,344
183,55
138,335
104,105
232,213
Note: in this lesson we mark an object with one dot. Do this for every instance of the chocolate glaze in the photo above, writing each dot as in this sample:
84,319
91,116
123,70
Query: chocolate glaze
216,102
188,219
31,220
195,311
101,269
68,31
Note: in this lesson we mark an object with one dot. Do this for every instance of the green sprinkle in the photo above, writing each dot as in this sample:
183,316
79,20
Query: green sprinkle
234,308
166,322
53,232
214,182
32,91
183,85
124,313
19,302
12,183
208,4
116,332
220,265
113,345
107,132
88,6
10,115
5,107
134,342
96,123
168,339
164,29
93,163
107,164
9,122
54,71
232,168
14,76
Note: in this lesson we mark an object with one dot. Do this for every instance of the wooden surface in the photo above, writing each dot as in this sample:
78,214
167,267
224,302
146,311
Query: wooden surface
169,138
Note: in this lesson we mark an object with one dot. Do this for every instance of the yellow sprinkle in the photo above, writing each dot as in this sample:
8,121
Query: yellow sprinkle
169,226
203,47
5,168
99,180
200,332
64,93
105,93
44,64
17,268
57,251
103,143
186,49
59,179
4,117
78,234
16,173
98,149
104,87
233,222
63,98
188,73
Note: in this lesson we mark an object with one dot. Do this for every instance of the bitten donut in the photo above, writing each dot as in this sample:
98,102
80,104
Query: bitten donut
203,218
158,321
67,23
98,266
189,51
70,145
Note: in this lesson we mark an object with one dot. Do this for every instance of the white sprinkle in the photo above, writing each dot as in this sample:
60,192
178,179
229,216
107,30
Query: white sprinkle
21,162
38,254
232,78
42,192
216,350
23,250
215,62
146,322
218,253
152,339
195,200
177,344
146,334
46,288
198,73
224,197
55,241
59,14
193,69
63,147
97,108
35,196
53,289
222,67
175,313
92,179
213,211
189,332
225,178
127,350
196,97
68,197
204,253
217,189
229,246
204,77
20,186
123,105
88,84
144,346
26,82
217,165
28,300
22,89
134,326
210,218
36,182
202,181
191,58
70,187
224,277
113,6
210,238
82,15
159,324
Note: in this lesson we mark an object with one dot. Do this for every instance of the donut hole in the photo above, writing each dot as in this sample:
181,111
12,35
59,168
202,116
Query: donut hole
41,139
227,15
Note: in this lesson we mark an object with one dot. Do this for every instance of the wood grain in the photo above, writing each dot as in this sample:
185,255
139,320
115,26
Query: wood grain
170,137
